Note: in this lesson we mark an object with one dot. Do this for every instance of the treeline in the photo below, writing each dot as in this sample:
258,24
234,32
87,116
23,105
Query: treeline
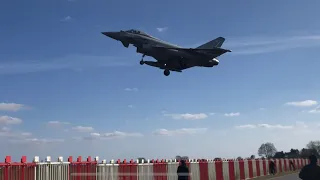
268,150
140,159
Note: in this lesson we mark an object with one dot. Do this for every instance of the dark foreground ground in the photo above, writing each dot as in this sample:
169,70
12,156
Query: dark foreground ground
282,176
287,177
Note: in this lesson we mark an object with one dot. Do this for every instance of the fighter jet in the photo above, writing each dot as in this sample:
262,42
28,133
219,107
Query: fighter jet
170,57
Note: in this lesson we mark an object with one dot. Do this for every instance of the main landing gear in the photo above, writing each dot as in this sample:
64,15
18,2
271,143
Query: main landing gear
166,71
142,62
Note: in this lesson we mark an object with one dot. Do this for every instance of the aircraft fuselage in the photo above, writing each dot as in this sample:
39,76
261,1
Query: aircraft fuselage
145,43
168,56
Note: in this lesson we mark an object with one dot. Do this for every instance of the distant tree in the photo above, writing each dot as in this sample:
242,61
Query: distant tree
182,157
315,145
252,157
294,153
141,158
185,157
267,149
305,153
279,155
239,158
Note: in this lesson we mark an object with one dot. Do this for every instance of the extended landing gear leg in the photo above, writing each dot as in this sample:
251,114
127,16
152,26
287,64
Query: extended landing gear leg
142,62
166,72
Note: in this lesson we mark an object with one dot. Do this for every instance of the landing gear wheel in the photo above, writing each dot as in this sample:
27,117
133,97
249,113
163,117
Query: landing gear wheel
142,62
166,72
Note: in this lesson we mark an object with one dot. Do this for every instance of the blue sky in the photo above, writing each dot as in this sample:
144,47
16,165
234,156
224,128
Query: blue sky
64,85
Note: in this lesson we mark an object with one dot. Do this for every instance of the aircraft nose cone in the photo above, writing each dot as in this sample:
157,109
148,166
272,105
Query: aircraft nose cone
113,35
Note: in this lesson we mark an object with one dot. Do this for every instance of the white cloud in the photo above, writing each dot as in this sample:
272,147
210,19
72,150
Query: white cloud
5,129
131,89
162,29
183,131
258,45
10,107
36,141
26,134
69,62
232,114
9,134
18,137
188,116
83,128
44,141
211,114
115,134
277,126
126,145
9,120
315,110
306,103
297,125
67,18
246,126
300,124
57,123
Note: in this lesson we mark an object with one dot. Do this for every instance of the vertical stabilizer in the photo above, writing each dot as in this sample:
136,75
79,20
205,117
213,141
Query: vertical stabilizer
216,43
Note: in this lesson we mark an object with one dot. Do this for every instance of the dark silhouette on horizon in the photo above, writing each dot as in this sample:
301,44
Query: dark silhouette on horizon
272,168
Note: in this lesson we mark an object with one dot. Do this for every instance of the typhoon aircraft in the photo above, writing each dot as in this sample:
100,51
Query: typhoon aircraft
170,57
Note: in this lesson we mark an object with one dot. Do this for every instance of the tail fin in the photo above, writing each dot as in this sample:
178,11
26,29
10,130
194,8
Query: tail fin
216,43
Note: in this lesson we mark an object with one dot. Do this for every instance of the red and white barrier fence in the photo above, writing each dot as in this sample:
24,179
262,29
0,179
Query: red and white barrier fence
150,170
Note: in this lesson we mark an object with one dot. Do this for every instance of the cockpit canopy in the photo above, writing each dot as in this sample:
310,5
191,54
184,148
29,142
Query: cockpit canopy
134,31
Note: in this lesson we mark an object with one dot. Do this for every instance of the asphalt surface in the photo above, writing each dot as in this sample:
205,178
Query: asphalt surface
294,176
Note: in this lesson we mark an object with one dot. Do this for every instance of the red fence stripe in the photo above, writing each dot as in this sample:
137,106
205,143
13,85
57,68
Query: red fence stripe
269,161
250,169
189,167
131,169
204,170
17,171
160,168
219,170
26,171
232,175
82,167
258,167
6,172
242,172
280,165
264,164
285,165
